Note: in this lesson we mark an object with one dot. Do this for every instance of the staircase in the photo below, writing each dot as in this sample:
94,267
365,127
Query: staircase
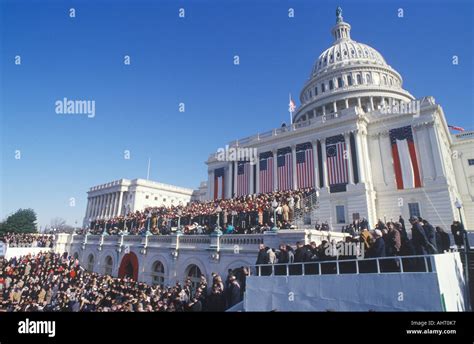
302,216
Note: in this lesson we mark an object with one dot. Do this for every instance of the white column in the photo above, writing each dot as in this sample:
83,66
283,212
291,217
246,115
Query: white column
334,107
367,162
293,160
359,103
359,154
251,179
119,210
372,103
349,157
228,181
316,164
104,205
234,186
435,151
91,208
325,169
209,189
257,179
275,174
88,208
347,103
96,207
99,205
114,204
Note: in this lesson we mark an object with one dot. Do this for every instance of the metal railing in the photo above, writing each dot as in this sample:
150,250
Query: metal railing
307,205
396,264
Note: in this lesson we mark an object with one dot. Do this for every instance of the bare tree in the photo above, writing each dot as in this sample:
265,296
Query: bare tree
58,224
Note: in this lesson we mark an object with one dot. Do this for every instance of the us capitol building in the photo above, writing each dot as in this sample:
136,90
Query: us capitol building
370,148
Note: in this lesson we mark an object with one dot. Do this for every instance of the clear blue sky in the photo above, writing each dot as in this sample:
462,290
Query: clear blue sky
187,60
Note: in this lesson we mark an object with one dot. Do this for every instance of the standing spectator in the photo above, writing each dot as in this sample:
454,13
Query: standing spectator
458,230
419,240
393,241
378,249
443,242
233,292
431,236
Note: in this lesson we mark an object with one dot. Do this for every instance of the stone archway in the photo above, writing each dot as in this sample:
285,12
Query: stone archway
129,266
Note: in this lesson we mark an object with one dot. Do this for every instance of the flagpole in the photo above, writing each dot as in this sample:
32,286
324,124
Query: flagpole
289,109
148,171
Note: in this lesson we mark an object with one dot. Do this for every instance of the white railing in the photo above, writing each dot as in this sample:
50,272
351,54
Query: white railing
396,264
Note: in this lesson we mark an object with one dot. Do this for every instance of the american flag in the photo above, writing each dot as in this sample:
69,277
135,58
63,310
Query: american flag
291,105
243,178
405,162
266,172
285,170
454,127
305,168
219,183
336,160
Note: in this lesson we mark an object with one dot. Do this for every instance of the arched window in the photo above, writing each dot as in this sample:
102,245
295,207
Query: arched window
316,91
194,275
339,82
90,262
158,273
368,78
384,80
108,265
359,79
349,80
331,84
323,88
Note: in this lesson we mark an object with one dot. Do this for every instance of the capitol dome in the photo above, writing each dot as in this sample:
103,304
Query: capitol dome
349,74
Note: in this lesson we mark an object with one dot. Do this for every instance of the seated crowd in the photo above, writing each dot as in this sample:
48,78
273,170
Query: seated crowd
241,215
54,283
28,240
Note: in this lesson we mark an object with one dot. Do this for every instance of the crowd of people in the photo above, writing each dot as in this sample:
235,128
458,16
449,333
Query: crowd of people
385,240
56,283
241,215
28,240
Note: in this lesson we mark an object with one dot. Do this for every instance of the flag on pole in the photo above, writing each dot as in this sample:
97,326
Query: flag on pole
455,127
305,166
219,183
291,105
284,169
336,160
243,178
266,172
407,173
291,108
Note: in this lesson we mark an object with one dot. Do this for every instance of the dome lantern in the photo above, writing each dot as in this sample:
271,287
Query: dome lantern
342,30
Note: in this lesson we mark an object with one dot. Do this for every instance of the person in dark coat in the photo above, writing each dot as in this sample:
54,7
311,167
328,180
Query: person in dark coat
443,241
233,293
418,238
216,300
431,236
457,228
300,252
262,257
378,248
